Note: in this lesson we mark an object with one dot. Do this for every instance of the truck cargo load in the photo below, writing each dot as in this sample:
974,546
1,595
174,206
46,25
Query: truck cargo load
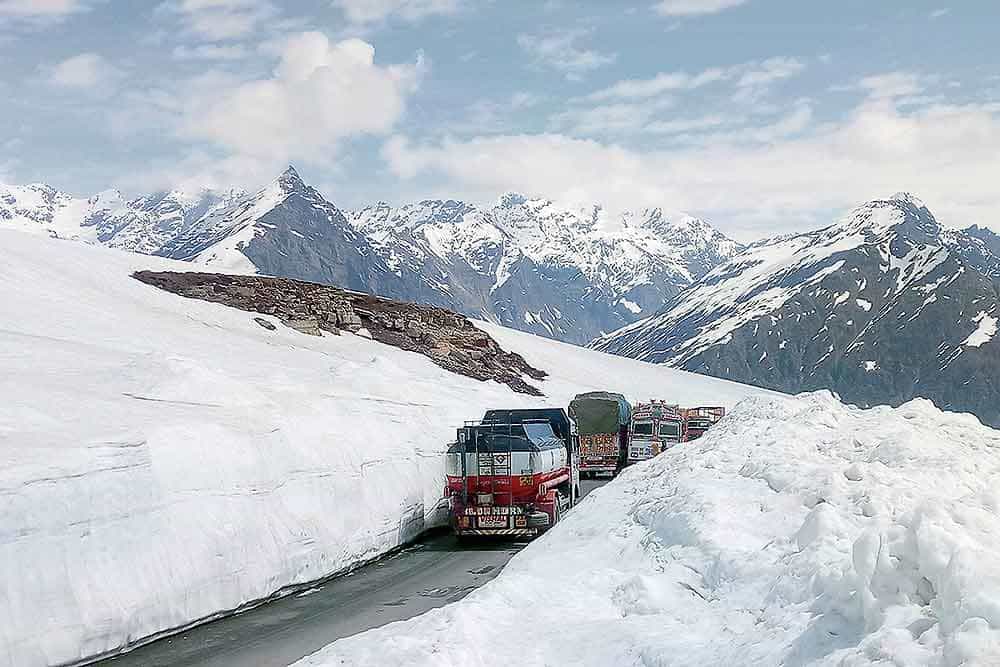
602,420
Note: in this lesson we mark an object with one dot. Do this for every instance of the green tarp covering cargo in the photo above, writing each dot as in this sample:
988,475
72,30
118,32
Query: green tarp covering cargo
602,420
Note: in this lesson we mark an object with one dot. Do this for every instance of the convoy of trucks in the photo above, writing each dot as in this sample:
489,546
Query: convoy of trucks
515,472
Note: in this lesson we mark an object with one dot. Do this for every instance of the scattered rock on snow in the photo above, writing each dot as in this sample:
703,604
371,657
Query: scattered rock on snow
264,323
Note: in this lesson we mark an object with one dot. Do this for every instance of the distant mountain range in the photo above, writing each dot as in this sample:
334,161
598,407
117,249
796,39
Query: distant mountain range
881,307
525,263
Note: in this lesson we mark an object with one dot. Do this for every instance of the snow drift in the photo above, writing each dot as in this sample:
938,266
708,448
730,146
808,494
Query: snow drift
164,459
798,531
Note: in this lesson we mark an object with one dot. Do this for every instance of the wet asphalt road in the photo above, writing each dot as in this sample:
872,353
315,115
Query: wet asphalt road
428,574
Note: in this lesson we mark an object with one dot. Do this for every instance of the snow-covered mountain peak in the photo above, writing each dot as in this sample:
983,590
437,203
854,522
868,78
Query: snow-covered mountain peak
882,294
511,199
288,183
679,228
909,198
107,198
901,216
290,179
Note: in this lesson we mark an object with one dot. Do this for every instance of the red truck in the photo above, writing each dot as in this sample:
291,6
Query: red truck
512,474
699,420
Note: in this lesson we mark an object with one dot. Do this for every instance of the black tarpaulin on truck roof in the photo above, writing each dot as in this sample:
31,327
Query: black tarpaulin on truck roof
599,412
532,437
555,416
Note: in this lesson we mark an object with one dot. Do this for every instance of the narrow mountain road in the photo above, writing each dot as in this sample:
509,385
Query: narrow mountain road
428,574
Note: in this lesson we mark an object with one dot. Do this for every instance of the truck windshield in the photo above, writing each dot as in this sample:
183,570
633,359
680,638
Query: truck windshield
670,429
643,428
538,431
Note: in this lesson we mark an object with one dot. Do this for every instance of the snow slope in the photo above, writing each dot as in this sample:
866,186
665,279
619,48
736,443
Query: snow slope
164,459
799,531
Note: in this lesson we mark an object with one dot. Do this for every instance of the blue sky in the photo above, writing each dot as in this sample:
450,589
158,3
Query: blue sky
763,116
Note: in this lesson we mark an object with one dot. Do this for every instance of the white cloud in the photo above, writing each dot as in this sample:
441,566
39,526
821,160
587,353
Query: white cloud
373,11
210,52
754,74
948,154
85,70
635,105
220,19
488,115
614,118
686,125
40,9
659,84
694,7
557,49
320,93
892,84
768,71
938,13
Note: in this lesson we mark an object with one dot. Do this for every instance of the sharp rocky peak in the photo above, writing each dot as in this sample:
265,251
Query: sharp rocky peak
290,180
290,183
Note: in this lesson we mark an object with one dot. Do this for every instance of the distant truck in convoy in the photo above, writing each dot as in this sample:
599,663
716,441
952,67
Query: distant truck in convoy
513,474
602,419
698,420
655,427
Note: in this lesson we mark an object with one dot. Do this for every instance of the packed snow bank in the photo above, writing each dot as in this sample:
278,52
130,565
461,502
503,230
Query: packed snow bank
798,531
163,459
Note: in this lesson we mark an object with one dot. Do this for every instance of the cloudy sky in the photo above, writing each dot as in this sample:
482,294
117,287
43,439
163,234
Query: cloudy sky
763,116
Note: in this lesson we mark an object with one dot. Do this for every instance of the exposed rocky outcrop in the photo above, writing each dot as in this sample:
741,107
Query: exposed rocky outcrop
447,338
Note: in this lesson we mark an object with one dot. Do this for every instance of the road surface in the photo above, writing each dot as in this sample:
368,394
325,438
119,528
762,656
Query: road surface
430,573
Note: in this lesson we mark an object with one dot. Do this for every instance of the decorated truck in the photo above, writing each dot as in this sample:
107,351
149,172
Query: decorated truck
698,420
512,474
602,419
656,426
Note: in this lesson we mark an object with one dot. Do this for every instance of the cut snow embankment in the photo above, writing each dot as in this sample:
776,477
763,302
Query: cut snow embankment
165,459
798,531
